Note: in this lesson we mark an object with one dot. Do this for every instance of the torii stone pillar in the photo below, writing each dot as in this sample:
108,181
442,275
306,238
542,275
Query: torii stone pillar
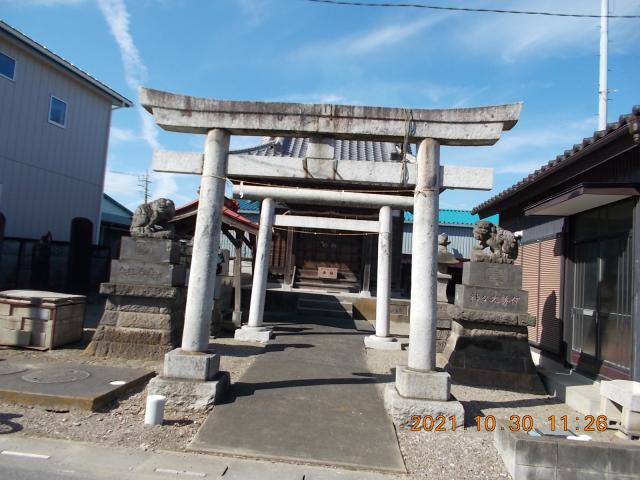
255,331
381,340
419,389
191,376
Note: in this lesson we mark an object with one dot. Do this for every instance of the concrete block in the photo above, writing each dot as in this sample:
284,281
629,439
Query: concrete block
536,452
401,409
579,474
382,343
496,275
5,309
146,273
253,334
190,395
531,472
109,318
622,392
32,312
624,459
14,338
630,422
154,321
507,300
191,365
423,385
12,323
583,456
157,250
147,291
612,411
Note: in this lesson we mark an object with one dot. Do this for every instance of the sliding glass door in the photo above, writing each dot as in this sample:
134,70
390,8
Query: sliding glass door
602,339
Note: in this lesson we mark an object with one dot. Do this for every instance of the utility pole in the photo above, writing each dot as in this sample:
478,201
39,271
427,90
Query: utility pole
603,91
143,183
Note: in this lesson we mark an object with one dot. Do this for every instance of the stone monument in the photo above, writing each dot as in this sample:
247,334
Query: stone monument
146,294
445,258
488,345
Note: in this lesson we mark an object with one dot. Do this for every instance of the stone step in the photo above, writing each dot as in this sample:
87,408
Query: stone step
577,391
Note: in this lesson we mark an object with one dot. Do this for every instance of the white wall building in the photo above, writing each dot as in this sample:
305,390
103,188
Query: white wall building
54,133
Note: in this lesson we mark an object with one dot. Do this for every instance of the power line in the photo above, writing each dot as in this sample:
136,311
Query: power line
465,9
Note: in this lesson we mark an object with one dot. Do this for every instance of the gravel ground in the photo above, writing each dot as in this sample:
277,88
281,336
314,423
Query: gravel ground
122,422
463,454
469,453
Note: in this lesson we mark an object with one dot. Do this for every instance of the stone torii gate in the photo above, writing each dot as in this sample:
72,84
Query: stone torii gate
418,387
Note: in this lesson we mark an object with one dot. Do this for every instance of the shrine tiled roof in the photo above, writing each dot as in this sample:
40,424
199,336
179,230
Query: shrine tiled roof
366,151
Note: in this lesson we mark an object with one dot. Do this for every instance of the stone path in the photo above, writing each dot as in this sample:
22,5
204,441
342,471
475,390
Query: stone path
309,398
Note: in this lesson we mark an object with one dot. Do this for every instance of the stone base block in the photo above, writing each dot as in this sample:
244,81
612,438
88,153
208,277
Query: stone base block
493,356
401,409
190,395
253,334
423,385
382,343
191,365
101,348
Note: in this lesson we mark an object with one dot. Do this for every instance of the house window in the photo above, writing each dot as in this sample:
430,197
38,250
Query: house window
7,66
58,112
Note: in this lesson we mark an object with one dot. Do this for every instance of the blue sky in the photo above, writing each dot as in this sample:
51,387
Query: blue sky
291,50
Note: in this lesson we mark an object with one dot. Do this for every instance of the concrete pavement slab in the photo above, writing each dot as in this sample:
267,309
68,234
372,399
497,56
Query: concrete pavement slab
309,398
65,385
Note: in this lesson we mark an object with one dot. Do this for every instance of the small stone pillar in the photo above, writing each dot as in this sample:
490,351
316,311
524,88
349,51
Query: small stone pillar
255,331
419,389
445,258
488,345
381,340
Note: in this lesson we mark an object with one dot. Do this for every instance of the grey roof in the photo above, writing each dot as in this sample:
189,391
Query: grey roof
629,123
116,98
343,149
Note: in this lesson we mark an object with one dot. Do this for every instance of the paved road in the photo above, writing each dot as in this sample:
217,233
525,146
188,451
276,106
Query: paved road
309,397
25,458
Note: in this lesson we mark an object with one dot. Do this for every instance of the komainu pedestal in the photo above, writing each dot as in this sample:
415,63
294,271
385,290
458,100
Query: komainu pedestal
488,345
144,312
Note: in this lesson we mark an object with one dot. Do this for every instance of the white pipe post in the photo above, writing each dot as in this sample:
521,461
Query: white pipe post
383,291
154,411
206,242
424,261
259,288
603,91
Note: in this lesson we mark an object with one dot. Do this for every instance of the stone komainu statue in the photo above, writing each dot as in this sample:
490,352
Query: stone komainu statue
496,245
152,219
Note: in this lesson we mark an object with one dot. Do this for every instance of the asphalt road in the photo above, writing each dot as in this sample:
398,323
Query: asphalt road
28,458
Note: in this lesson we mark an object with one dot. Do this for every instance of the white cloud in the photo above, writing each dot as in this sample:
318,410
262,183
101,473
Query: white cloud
255,11
367,42
165,186
520,37
121,185
117,16
118,135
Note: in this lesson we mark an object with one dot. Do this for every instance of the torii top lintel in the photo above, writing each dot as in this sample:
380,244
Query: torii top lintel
458,126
